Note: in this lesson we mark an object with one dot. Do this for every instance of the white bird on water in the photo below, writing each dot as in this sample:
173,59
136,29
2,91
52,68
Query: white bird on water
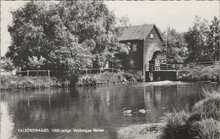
127,111
142,111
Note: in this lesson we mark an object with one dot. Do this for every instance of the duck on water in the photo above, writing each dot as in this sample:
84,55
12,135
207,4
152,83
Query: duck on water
129,111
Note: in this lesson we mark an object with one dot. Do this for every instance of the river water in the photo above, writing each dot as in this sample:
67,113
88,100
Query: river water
26,114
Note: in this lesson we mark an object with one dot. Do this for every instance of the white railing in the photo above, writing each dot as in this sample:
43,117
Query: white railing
97,70
172,67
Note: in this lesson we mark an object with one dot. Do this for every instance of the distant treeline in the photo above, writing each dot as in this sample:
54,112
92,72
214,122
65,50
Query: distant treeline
200,43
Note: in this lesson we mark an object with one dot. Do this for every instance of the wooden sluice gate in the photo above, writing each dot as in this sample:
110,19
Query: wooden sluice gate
161,72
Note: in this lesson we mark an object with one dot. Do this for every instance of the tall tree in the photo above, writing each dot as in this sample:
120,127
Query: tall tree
68,35
213,39
196,39
175,48
94,25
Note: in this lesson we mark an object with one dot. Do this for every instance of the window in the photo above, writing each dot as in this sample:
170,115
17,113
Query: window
134,47
151,36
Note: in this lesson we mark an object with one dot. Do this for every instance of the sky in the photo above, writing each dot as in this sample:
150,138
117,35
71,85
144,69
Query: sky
175,14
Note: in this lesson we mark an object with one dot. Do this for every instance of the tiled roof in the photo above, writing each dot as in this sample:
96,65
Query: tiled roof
135,32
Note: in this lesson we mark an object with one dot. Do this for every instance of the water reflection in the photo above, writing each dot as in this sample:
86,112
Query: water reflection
6,122
91,107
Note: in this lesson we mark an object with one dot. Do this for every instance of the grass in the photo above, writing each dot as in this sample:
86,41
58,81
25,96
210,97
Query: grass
209,107
205,129
105,78
22,82
176,125
203,122
202,73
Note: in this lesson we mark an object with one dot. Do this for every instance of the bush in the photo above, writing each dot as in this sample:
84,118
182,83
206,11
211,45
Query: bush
205,129
202,73
208,107
176,126
105,78
202,123
22,82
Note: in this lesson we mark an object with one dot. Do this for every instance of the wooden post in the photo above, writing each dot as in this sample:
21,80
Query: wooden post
27,73
48,73
49,101
100,71
86,71
28,102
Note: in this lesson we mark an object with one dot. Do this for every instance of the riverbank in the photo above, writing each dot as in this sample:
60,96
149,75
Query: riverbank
106,78
141,131
33,82
201,73
202,122
38,82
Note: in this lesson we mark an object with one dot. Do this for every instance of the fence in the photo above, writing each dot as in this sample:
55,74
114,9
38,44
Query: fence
57,73
170,67
165,67
34,73
95,71
5,73
148,67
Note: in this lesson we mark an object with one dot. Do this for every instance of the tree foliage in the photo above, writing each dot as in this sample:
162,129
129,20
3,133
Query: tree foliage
66,36
175,47
213,39
35,63
7,64
203,40
199,43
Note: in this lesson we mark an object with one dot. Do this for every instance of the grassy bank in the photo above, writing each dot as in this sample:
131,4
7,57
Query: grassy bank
22,82
203,122
201,73
106,78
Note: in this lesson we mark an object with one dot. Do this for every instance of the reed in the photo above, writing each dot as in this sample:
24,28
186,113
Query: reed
203,122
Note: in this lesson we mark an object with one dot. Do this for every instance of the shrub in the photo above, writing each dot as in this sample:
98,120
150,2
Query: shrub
105,77
202,123
21,82
205,129
203,73
208,107
175,126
